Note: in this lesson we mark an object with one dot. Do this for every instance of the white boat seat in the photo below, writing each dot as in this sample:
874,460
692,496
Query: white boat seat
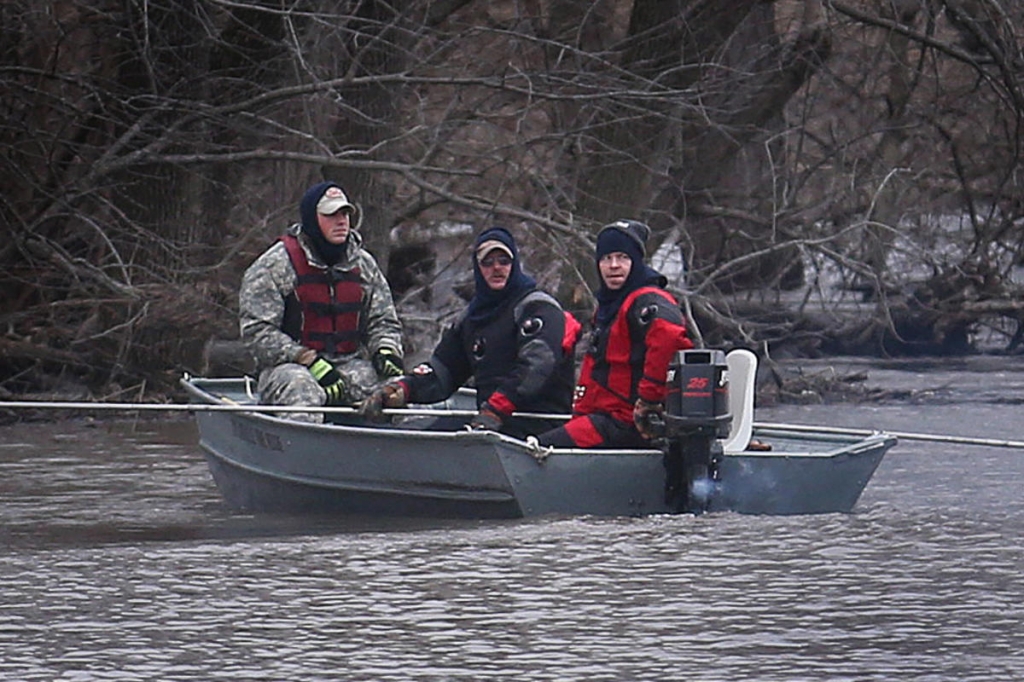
742,366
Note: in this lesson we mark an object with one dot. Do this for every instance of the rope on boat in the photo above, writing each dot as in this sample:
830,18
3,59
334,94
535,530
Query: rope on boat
539,452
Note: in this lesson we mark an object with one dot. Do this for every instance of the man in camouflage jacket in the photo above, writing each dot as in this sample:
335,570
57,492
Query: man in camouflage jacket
316,312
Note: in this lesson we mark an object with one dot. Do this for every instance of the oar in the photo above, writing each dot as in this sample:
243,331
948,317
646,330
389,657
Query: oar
903,435
434,412
237,407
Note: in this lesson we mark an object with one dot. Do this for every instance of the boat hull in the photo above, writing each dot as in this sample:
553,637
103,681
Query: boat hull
267,464
262,463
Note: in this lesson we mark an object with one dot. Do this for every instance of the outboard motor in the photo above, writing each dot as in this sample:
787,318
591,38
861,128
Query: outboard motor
696,417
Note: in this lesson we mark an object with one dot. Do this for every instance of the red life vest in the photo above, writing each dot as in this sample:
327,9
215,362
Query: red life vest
325,313
613,373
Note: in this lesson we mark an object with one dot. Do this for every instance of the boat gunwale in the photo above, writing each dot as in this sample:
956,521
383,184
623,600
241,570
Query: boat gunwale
847,443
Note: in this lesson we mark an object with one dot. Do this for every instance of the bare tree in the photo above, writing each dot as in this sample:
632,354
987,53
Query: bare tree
782,148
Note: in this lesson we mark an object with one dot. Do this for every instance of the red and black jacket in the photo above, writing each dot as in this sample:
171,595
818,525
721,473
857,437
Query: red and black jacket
324,311
629,358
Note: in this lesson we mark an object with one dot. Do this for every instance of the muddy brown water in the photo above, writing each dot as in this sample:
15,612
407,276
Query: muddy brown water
119,562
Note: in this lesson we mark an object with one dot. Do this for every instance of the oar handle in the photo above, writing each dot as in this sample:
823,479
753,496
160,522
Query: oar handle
903,435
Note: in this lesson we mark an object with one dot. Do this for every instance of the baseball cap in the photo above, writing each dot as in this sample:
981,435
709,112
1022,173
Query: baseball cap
490,245
334,200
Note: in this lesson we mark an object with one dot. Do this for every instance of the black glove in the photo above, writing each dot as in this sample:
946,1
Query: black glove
391,394
388,363
328,378
486,418
647,417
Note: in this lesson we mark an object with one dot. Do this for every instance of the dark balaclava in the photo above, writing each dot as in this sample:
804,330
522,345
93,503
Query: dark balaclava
628,237
330,253
486,301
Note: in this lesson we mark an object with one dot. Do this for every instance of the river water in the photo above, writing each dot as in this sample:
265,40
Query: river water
120,563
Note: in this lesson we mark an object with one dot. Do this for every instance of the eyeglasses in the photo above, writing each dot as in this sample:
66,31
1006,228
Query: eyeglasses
491,261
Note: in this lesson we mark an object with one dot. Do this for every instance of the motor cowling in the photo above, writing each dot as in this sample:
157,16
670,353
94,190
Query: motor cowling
696,417
698,394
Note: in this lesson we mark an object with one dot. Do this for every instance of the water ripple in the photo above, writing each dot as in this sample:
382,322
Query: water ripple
121,565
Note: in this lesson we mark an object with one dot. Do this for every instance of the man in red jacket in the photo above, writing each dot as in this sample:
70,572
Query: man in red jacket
637,330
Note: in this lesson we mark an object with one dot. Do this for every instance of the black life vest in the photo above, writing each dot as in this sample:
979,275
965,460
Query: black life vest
323,312
493,349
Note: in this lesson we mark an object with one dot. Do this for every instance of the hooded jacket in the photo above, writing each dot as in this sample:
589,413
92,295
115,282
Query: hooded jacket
516,343
270,282
638,329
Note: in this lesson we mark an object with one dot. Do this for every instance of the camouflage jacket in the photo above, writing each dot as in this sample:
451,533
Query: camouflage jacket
269,281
